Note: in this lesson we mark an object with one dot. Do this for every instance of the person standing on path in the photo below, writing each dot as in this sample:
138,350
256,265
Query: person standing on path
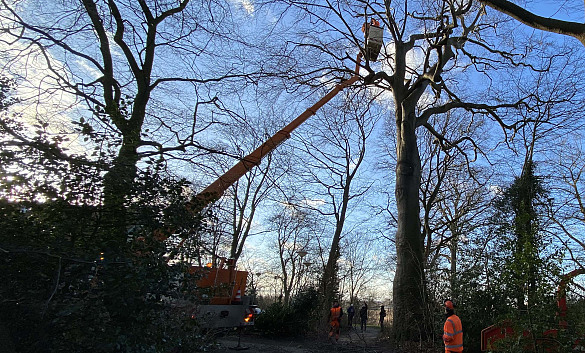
452,330
364,317
335,315
350,314
382,316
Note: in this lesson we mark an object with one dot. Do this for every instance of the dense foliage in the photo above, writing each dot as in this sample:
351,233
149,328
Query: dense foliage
63,294
295,319
65,288
515,282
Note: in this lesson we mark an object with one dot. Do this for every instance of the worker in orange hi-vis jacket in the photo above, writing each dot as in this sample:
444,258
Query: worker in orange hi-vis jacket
335,315
452,330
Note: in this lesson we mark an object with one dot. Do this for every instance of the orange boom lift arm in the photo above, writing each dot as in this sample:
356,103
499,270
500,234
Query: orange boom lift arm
216,189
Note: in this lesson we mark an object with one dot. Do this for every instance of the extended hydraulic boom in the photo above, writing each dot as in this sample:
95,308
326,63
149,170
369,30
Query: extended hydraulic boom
219,186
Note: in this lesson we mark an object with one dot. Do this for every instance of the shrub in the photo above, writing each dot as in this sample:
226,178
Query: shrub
290,320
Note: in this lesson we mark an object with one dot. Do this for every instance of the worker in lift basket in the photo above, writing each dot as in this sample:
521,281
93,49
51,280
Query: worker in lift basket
452,330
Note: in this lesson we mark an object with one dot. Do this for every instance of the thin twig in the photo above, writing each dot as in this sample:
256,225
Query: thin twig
54,290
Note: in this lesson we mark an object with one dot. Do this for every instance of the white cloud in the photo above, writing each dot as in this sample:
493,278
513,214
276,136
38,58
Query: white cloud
247,5
496,190
41,94
89,70
314,203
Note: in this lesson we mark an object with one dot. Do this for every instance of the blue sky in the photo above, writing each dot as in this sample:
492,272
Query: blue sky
572,10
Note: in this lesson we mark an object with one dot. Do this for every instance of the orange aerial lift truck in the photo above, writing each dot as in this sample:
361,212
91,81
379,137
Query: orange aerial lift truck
222,302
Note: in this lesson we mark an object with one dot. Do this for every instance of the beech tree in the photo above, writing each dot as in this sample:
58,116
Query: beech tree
434,51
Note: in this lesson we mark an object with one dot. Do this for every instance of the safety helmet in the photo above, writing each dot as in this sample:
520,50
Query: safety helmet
449,304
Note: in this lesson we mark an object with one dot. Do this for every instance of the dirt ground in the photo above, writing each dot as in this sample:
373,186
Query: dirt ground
350,341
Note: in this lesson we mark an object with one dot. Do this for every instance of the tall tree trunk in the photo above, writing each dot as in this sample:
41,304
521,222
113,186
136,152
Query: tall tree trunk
453,271
329,280
118,184
409,281
120,297
119,180
329,284
453,249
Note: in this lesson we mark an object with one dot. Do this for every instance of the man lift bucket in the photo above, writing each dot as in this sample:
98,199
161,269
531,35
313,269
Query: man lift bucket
374,39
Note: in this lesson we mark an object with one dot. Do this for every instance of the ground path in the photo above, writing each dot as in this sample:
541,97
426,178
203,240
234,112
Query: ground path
352,341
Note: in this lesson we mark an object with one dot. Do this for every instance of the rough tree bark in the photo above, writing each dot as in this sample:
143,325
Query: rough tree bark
409,280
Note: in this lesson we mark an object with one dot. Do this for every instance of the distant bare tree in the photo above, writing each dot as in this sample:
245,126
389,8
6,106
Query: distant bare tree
453,193
292,226
333,170
568,212
361,263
